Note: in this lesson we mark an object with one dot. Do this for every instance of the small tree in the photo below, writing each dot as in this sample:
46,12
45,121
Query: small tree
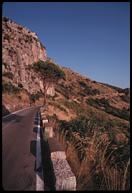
32,99
49,72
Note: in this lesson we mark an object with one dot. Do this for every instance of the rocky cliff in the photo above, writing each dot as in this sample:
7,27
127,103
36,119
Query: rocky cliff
20,48
21,85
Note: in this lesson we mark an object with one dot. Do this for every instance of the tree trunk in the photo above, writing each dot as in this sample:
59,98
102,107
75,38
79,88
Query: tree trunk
45,90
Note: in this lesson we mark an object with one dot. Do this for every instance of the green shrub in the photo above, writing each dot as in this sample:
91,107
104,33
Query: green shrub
88,90
48,69
35,96
120,90
125,98
10,88
123,114
64,90
82,125
5,19
39,94
49,73
97,103
126,91
83,84
60,107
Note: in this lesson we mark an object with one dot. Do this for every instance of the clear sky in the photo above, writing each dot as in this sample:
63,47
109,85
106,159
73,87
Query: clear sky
90,38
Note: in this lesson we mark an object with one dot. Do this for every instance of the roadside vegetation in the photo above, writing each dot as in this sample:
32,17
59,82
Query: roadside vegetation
49,72
125,98
34,97
8,87
98,103
88,90
97,140
99,159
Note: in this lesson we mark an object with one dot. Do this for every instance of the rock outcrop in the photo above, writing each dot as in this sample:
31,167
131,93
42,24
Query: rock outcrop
20,48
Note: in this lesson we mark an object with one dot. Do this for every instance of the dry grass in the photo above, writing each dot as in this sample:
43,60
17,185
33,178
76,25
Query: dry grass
15,101
94,172
61,112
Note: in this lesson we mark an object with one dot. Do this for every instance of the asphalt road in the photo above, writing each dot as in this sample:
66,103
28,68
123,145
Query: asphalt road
18,150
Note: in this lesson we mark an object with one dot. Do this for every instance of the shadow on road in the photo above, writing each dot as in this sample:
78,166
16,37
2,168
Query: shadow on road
49,176
35,122
35,129
48,171
33,147
14,117
5,111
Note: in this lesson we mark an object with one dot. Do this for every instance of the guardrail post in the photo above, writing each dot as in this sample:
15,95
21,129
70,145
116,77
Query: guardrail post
65,179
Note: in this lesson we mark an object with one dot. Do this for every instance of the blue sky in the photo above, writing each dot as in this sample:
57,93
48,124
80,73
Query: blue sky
90,38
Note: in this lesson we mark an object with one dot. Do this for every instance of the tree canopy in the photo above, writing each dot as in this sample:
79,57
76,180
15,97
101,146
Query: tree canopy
49,73
48,70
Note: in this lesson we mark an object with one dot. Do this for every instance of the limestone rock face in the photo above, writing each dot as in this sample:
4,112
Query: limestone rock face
20,48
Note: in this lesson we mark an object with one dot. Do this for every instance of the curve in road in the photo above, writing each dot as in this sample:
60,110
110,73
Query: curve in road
19,135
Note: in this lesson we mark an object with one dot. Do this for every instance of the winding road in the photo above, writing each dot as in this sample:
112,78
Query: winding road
19,138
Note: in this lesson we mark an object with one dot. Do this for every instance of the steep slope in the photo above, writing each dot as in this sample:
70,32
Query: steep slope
20,48
91,120
85,113
80,95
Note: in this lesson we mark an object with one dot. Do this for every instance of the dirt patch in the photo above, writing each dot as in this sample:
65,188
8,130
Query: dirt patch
61,115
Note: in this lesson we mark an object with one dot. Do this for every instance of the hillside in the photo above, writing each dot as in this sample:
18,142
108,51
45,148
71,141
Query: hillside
80,94
92,120
88,115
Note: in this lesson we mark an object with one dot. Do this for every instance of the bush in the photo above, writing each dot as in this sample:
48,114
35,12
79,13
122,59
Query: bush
127,91
97,103
10,88
20,85
103,155
6,36
39,94
87,90
123,114
8,74
82,125
65,90
58,105
125,98
48,69
5,19
74,106
120,90
32,98
36,96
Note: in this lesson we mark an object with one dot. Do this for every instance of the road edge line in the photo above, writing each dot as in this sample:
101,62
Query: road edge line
39,181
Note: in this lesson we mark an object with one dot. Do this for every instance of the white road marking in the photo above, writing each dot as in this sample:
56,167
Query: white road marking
39,180
19,111
16,112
